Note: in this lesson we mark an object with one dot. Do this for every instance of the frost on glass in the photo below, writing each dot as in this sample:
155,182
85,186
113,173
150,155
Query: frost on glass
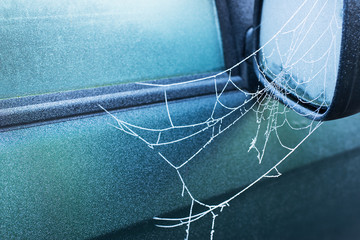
304,57
300,51
51,46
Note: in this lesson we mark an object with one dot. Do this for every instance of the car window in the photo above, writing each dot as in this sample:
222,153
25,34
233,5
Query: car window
52,46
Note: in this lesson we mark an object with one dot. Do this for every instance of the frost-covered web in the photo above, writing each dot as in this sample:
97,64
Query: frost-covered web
297,56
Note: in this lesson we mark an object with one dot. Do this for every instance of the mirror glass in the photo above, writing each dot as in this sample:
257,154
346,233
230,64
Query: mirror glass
300,47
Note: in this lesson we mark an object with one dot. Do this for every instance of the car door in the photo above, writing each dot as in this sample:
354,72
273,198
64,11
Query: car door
119,117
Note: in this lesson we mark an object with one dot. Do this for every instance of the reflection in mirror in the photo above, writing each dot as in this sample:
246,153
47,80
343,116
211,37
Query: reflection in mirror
304,56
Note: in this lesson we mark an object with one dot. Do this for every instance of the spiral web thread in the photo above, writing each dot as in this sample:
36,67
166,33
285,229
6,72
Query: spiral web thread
270,114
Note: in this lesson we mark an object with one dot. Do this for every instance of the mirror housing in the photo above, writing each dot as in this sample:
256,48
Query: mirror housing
346,98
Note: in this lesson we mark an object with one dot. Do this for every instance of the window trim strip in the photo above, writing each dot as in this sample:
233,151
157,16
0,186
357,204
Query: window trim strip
34,109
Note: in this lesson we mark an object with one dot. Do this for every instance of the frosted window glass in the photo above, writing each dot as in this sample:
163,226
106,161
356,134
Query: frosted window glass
50,46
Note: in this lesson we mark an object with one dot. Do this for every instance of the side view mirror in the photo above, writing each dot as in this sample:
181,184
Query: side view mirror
308,55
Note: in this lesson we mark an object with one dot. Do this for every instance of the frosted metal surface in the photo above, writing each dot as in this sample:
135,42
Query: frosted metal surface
82,178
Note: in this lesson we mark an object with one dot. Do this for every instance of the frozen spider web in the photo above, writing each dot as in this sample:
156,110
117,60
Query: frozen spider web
296,45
